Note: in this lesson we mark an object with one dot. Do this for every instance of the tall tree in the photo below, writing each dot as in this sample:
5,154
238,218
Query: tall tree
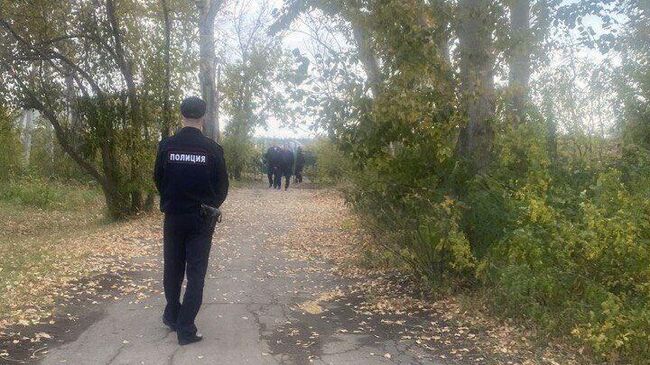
254,82
475,23
84,62
208,10
367,55
520,51
167,113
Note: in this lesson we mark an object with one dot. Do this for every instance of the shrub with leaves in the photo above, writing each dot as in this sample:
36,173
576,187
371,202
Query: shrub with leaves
331,166
10,150
583,272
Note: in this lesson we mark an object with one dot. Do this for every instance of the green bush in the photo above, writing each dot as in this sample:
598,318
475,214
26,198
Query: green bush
568,248
34,193
440,249
47,194
48,160
580,268
412,213
331,165
10,150
241,156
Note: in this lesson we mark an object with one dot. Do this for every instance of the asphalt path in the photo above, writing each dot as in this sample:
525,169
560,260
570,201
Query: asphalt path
251,312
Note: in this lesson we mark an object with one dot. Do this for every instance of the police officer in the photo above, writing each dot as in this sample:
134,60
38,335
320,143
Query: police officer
287,166
191,177
272,158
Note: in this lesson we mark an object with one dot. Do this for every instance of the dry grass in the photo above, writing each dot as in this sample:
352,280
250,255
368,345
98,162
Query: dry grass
46,250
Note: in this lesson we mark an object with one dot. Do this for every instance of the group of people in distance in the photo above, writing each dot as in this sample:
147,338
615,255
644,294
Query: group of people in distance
281,162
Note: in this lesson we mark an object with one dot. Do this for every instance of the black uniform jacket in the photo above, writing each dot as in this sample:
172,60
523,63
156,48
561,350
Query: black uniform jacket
287,162
273,158
190,170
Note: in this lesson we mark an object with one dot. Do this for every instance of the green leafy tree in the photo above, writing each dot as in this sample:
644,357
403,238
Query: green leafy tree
253,85
504,157
86,68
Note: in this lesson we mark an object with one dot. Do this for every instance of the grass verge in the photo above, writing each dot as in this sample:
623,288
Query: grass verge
54,234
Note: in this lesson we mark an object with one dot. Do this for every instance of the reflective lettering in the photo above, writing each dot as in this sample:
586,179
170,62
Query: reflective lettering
187,157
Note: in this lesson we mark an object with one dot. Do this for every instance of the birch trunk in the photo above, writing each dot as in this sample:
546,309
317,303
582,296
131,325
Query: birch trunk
28,128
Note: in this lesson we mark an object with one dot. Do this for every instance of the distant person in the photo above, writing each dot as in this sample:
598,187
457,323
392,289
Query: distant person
273,158
300,164
190,175
287,166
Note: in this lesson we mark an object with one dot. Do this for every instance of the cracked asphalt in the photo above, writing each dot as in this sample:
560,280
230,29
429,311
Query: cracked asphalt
250,312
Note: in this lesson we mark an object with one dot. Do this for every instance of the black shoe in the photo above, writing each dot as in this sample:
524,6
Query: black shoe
184,340
172,326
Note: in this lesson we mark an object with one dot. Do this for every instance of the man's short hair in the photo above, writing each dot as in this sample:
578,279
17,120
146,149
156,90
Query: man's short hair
193,107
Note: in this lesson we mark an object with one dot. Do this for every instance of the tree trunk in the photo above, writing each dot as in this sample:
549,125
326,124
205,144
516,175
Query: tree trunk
167,113
519,58
441,29
135,112
73,115
137,201
367,57
207,57
217,104
149,201
50,141
118,205
477,83
28,128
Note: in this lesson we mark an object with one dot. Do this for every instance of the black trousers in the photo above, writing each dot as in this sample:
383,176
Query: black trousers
187,242
277,179
287,180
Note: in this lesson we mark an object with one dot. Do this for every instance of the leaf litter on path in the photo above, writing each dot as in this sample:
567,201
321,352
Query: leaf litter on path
387,303
77,272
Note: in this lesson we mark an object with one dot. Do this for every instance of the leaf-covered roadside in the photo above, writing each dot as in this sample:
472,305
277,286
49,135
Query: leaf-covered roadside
437,326
47,275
